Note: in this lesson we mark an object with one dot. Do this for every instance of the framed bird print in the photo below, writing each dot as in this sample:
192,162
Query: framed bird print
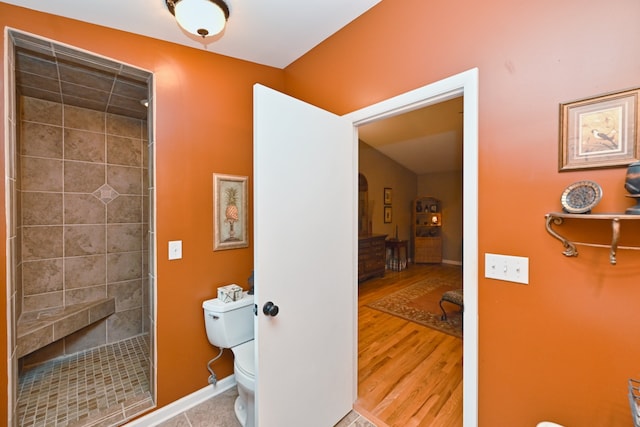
600,132
230,228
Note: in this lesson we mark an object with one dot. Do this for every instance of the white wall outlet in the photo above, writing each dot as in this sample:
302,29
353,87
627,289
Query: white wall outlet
175,249
506,267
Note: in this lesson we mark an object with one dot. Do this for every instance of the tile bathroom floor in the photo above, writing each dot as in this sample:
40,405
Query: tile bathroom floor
100,386
218,412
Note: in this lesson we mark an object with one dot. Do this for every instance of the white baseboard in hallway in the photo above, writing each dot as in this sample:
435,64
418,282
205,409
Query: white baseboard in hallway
183,404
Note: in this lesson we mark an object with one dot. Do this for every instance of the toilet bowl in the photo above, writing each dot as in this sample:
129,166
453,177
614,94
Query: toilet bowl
244,371
230,325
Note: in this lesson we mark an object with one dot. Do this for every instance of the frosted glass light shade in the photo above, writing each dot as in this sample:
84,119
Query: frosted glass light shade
200,17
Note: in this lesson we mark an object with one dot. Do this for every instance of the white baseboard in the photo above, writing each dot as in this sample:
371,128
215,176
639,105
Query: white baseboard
451,262
187,402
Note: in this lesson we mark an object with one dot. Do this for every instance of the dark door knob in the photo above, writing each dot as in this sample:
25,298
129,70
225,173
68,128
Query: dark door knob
270,309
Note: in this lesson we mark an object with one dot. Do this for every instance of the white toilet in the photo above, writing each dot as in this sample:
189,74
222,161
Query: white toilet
230,325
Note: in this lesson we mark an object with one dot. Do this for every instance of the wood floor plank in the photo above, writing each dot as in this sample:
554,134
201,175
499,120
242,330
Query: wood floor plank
409,375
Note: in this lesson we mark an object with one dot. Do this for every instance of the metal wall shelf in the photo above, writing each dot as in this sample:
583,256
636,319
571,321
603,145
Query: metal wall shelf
570,249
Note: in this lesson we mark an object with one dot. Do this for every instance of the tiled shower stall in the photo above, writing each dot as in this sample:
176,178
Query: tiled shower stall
83,226
81,235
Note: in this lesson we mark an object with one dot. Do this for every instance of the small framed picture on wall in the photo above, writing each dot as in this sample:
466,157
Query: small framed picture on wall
600,132
387,214
387,196
230,212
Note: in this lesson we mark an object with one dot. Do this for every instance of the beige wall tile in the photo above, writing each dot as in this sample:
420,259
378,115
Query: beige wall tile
42,301
42,276
124,126
124,151
128,295
40,208
83,177
123,266
84,209
40,86
124,179
41,174
124,238
41,111
124,324
83,271
84,96
84,145
82,118
82,295
41,140
41,242
94,80
125,209
80,240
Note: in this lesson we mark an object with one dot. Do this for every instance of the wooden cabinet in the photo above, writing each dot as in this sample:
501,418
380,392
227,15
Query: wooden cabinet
427,230
371,256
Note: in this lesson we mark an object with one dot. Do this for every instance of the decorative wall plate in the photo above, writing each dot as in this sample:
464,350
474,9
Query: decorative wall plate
581,197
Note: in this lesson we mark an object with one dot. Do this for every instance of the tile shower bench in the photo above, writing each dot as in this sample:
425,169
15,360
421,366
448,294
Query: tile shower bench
40,328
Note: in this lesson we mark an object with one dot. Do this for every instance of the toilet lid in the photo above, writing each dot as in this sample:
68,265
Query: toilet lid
245,358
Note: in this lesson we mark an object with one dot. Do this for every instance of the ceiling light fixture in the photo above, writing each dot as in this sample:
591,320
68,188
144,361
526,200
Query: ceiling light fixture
200,17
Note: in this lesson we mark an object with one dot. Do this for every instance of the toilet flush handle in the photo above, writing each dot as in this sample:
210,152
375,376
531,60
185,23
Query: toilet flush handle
270,309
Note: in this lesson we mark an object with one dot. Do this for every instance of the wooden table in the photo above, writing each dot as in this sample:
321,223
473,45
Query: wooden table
397,254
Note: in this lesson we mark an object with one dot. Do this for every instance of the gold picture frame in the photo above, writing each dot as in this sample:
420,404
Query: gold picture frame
387,196
387,214
599,132
230,216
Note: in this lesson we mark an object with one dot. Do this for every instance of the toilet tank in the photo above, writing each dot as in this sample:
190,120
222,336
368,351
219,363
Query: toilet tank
229,324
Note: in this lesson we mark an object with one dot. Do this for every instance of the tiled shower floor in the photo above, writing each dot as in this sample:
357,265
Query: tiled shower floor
100,386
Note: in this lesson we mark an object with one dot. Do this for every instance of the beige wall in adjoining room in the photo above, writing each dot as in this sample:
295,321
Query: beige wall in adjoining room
382,172
447,187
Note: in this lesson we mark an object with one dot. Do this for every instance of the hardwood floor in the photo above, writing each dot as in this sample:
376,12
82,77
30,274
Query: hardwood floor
408,374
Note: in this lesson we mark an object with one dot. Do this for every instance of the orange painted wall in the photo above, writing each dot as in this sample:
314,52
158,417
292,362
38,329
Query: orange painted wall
560,348
563,347
204,124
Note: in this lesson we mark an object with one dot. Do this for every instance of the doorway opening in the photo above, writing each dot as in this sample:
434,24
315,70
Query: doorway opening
81,231
466,85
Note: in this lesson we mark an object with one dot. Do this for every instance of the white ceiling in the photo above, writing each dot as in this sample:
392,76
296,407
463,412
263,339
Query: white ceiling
276,33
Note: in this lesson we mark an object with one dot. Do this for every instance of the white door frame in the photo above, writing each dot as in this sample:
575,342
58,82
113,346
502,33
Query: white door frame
465,84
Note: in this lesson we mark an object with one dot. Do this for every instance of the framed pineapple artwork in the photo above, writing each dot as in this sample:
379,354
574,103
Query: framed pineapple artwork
230,212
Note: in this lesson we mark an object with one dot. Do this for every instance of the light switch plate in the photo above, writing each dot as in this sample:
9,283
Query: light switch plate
175,249
506,267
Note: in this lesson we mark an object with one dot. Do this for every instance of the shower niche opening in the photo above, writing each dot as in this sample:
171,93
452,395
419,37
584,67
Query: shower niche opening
81,260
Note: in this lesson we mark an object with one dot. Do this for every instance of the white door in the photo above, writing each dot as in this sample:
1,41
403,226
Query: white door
304,260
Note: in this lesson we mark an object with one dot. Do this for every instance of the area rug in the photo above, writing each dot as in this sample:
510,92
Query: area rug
419,303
